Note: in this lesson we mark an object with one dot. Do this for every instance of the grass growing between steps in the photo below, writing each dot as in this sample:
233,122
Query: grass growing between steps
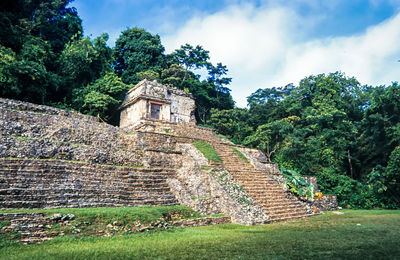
241,155
356,234
208,151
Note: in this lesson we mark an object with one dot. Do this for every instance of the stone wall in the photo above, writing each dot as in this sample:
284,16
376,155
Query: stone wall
55,184
53,134
175,105
42,109
327,202
183,133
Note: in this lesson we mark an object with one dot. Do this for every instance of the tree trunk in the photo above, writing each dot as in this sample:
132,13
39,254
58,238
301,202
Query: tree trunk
350,165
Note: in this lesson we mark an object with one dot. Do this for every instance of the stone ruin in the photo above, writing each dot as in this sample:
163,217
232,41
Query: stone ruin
53,158
151,100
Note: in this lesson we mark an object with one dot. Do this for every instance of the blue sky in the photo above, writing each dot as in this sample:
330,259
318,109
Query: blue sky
266,43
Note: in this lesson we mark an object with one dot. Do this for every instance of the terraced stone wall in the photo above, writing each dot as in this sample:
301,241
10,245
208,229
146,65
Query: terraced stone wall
53,158
57,184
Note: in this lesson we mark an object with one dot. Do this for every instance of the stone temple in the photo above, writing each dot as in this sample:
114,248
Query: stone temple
54,158
151,100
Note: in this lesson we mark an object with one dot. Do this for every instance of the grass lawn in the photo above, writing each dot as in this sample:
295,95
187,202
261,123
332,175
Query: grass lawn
357,234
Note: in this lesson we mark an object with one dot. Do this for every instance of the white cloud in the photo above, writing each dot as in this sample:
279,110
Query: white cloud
269,46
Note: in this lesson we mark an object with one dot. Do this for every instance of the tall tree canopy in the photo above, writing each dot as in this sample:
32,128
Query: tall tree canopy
137,50
32,35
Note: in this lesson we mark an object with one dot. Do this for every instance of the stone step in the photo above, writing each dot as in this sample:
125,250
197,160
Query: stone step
30,164
277,203
65,176
108,203
81,179
31,227
136,195
28,221
86,195
245,172
256,181
262,189
266,193
68,187
260,196
275,211
35,170
279,217
34,240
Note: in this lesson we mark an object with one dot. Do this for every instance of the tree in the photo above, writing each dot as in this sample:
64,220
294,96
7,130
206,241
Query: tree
231,123
216,77
136,50
102,97
81,62
212,93
33,33
380,126
8,70
190,58
50,20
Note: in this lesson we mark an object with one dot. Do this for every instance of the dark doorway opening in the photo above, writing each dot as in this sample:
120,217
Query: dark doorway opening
155,111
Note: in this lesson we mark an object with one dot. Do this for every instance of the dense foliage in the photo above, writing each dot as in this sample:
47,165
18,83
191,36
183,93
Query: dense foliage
45,59
329,126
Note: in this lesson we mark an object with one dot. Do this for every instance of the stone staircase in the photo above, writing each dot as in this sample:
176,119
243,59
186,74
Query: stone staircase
260,185
56,184
265,191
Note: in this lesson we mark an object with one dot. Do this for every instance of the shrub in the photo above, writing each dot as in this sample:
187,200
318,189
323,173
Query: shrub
296,184
350,193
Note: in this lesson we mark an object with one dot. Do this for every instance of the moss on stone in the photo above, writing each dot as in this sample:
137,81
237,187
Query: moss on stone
241,155
208,151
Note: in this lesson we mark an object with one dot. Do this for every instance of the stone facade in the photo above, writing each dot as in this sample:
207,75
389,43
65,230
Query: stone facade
151,100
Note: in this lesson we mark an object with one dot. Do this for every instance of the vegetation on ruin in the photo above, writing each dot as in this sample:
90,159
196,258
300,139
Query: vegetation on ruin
208,151
356,234
297,185
241,155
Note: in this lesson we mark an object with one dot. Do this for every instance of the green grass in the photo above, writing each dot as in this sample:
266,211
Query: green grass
241,155
223,137
208,151
357,234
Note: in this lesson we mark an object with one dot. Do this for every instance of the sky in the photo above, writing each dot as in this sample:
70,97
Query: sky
266,43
